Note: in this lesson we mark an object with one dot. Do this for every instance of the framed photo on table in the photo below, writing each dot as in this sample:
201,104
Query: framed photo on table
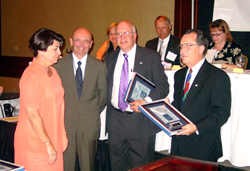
165,116
139,88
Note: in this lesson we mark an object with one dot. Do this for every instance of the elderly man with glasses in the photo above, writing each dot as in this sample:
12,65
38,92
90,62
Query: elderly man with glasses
131,134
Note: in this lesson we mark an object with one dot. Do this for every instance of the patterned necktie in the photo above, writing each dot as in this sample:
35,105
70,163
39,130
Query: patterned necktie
79,79
161,43
186,90
123,84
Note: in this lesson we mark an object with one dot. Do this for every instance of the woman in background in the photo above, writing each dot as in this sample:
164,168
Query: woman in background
1,90
109,45
40,136
227,49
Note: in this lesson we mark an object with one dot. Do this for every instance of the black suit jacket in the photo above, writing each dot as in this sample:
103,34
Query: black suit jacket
148,65
172,46
208,106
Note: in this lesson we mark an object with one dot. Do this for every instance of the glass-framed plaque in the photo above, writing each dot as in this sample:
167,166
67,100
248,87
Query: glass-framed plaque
7,166
165,116
139,88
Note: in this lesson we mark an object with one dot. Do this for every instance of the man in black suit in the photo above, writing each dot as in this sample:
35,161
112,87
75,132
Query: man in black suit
131,134
207,103
166,44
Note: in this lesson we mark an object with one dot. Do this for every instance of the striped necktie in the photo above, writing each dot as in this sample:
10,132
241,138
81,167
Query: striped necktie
186,90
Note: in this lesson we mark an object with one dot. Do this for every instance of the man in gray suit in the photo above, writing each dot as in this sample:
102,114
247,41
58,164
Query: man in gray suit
131,133
84,81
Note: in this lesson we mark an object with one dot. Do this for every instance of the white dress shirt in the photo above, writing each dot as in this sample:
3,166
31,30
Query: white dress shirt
117,74
195,69
83,65
164,46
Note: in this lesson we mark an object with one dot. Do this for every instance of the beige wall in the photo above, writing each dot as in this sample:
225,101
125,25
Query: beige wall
21,18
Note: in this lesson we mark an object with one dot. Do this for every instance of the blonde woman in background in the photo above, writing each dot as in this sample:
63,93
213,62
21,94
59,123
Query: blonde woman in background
227,49
109,45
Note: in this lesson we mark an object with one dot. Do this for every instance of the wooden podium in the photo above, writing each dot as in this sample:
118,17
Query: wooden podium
172,163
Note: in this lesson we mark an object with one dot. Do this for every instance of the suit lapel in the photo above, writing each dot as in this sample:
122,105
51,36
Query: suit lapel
71,75
139,61
111,69
197,85
87,76
155,43
170,44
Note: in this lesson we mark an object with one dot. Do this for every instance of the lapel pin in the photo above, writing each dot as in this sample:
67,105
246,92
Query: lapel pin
196,85
140,62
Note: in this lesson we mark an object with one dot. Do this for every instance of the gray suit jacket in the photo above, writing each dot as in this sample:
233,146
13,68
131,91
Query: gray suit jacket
93,98
148,65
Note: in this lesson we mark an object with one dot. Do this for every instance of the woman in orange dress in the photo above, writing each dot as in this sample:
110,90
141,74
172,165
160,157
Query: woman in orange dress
40,136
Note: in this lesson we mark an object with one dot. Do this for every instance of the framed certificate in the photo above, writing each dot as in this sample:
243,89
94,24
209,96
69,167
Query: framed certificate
139,88
7,166
165,116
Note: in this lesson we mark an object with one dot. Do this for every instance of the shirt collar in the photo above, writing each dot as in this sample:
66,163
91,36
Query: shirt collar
166,40
197,67
75,59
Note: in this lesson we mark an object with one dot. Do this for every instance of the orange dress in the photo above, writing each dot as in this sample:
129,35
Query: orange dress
46,94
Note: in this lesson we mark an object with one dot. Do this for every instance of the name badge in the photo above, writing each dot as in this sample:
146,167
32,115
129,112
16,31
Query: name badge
171,56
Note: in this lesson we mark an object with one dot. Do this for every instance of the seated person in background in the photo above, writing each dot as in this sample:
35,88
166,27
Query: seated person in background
109,45
166,44
227,48
1,90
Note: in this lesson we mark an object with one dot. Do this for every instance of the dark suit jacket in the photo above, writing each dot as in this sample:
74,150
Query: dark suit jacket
207,105
172,46
93,98
148,65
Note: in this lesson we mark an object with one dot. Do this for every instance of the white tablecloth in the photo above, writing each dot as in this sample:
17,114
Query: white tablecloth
235,139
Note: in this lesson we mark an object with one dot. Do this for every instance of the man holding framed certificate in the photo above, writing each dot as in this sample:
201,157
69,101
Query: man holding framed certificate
201,93
131,134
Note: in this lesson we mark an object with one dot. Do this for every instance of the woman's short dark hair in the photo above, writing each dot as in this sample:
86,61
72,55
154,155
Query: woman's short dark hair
42,39
201,38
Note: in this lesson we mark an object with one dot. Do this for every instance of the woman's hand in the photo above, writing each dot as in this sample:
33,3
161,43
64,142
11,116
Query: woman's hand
51,152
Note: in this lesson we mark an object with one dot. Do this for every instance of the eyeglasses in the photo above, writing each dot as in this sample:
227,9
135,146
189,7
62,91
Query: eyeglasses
186,46
125,34
79,41
112,34
216,34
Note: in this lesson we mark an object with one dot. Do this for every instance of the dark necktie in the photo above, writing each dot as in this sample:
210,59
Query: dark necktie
123,84
187,84
79,79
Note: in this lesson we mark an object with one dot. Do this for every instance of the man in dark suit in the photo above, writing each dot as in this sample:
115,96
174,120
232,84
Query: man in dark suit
131,134
85,98
204,97
166,44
